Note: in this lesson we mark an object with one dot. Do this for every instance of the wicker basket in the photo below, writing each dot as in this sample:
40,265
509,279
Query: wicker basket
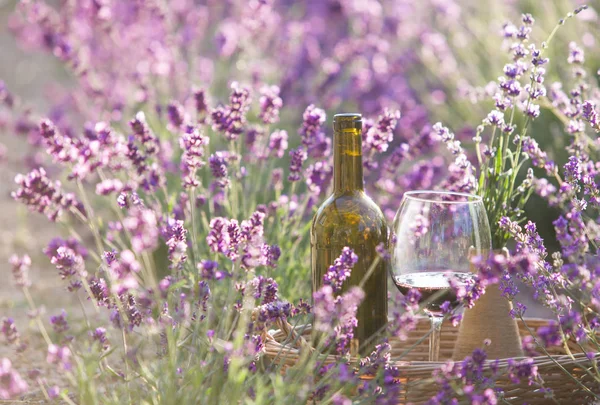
283,347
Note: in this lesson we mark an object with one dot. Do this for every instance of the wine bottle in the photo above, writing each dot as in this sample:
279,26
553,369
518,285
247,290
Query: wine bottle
350,218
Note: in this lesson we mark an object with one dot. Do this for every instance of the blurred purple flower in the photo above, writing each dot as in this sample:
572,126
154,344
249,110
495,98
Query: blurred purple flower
142,224
20,270
60,356
340,270
175,236
9,330
40,194
231,119
278,143
11,384
270,103
218,167
298,156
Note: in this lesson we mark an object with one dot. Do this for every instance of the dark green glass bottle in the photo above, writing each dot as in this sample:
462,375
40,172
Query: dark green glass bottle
350,218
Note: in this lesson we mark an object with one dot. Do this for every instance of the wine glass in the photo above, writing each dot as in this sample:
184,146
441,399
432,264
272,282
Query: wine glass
435,234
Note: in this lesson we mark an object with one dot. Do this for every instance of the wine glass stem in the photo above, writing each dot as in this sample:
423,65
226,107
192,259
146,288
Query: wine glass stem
434,337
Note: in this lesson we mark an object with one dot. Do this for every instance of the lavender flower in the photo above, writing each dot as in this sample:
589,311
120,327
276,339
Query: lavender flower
218,239
109,186
143,227
209,270
11,383
144,134
265,288
99,335
336,317
576,54
60,356
99,291
193,143
318,176
278,143
123,273
201,103
379,136
340,270
550,334
20,270
68,262
40,194
61,148
313,138
298,156
538,158
218,168
175,236
270,103
232,118
590,115
272,254
176,115
59,322
9,330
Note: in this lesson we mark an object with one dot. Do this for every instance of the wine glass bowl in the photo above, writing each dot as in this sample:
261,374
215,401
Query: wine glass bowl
434,236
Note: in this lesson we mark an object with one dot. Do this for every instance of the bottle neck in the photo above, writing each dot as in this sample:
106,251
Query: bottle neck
347,161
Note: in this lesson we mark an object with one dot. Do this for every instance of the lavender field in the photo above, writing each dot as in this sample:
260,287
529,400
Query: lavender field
162,161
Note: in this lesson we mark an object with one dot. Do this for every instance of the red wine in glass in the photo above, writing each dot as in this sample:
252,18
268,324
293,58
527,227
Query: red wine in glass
434,287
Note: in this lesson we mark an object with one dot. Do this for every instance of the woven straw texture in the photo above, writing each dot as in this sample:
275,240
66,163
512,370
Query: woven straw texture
284,346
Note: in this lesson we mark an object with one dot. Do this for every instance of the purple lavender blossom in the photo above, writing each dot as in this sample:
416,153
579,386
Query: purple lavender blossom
590,115
60,356
550,335
59,322
9,330
20,270
298,156
99,291
218,238
201,103
192,142
11,383
270,104
175,236
379,136
272,254
61,148
313,138
143,227
144,134
70,243
218,168
109,186
176,114
340,270
318,176
262,287
533,110
68,262
336,317
538,158
209,270
40,194
576,54
99,335
123,273
278,143
232,118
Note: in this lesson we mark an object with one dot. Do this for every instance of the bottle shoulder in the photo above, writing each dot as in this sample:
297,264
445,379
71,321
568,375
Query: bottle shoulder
347,214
